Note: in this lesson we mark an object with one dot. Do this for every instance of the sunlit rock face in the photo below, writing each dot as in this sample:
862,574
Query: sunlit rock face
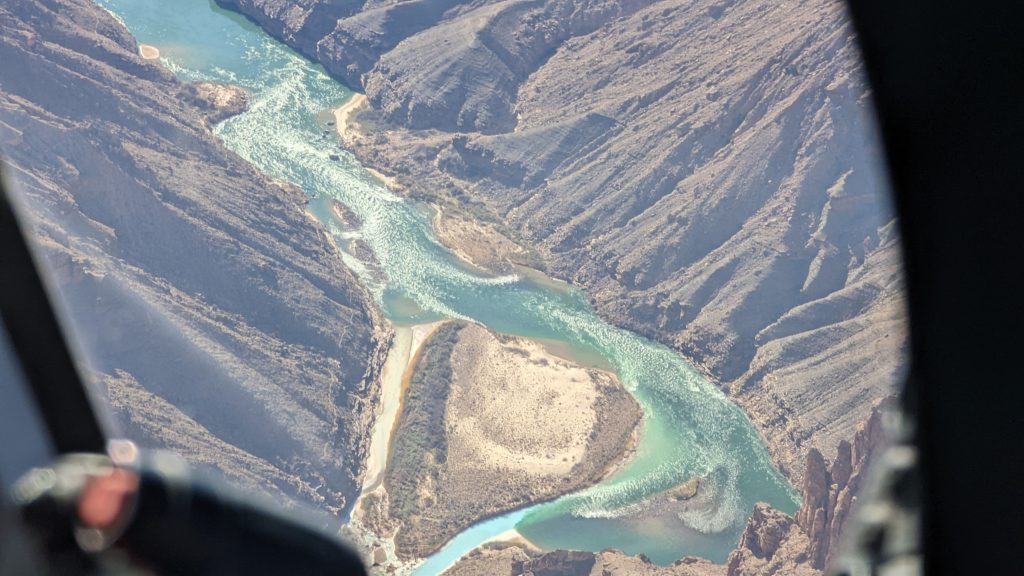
216,316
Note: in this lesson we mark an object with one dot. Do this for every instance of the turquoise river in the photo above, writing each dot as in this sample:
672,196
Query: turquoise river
690,428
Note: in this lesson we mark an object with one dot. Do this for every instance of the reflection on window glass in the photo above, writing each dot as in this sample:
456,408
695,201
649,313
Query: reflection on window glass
25,441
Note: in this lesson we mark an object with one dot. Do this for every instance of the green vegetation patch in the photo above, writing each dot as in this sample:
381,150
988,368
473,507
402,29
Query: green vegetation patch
420,447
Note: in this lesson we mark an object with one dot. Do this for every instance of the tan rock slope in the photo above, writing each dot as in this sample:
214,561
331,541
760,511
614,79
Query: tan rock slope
215,313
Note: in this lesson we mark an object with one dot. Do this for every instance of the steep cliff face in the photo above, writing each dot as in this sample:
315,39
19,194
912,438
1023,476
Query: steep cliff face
299,23
775,543
215,313
452,64
464,73
706,170
771,544
830,492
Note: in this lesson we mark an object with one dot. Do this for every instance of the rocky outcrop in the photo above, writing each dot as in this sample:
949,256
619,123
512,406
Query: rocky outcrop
813,513
775,543
300,24
766,530
557,563
214,312
830,492
219,101
499,559
494,559
771,544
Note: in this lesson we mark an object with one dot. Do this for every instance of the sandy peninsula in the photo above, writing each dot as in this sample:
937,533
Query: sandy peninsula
343,117
149,52
515,538
348,130
492,423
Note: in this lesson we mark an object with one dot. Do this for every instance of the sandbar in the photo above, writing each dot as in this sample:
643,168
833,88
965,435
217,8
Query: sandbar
149,52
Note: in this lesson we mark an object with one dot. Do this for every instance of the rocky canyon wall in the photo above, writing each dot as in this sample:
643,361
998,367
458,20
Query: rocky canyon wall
216,315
